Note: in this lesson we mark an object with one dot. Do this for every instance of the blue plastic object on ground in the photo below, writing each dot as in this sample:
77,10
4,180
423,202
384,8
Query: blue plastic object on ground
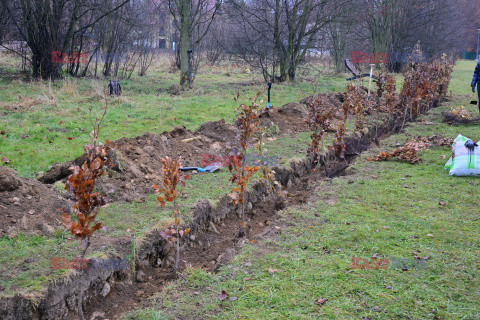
212,168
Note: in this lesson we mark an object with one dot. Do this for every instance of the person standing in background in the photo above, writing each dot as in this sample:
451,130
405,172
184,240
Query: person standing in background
476,82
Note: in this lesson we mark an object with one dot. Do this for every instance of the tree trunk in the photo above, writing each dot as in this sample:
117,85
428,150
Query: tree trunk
291,72
278,44
184,46
43,66
185,39
338,33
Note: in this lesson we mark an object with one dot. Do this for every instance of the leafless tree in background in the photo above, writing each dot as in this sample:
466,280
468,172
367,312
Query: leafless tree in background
212,46
339,33
396,26
275,35
3,22
49,26
192,19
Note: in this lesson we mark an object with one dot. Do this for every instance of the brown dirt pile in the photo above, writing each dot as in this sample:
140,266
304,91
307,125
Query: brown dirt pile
28,206
291,118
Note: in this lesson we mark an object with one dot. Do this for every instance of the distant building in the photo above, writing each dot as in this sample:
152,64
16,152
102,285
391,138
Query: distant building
162,26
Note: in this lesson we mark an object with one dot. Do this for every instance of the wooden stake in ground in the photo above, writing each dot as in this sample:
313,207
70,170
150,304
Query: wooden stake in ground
370,81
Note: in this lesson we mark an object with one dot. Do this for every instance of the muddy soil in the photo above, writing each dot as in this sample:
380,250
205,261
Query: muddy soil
28,206
290,119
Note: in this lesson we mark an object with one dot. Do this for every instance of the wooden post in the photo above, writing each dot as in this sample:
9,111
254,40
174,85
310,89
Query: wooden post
370,81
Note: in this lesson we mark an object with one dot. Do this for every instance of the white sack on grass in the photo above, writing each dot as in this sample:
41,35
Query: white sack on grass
465,160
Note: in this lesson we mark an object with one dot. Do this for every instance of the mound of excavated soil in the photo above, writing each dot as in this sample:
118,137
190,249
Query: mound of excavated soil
218,131
28,206
290,118
137,160
333,98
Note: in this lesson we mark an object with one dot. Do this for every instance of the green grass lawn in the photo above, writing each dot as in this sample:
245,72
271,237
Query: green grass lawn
462,78
388,209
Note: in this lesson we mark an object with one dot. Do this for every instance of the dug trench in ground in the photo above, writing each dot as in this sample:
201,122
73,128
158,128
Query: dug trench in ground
216,243
380,209
156,253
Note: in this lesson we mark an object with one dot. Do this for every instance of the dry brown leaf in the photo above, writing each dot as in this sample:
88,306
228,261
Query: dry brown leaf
321,301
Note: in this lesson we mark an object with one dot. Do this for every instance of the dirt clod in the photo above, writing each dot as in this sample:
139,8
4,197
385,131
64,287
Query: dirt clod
9,180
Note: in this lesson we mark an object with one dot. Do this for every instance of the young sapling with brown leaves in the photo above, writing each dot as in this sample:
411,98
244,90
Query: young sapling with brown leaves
172,178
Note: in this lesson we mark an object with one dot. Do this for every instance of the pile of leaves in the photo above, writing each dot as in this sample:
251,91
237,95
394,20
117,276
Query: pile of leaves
458,115
461,112
438,140
408,153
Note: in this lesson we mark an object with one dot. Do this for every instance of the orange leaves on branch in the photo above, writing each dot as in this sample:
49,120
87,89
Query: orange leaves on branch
173,183
387,93
81,229
423,82
339,145
241,174
351,102
354,102
172,176
247,123
320,115
172,233
82,184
